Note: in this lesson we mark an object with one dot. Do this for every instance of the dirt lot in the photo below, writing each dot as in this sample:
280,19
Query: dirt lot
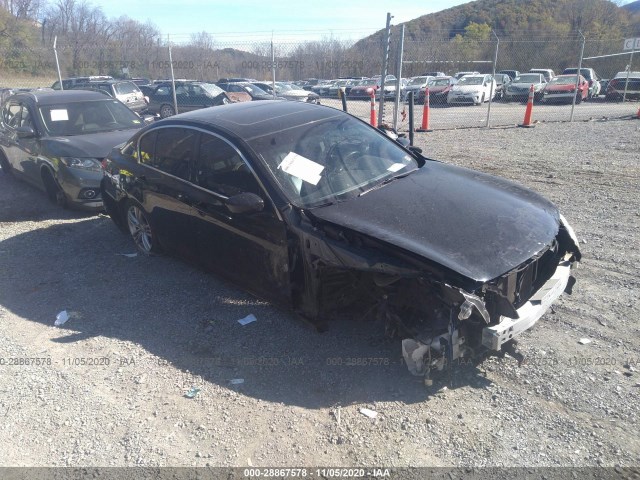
108,387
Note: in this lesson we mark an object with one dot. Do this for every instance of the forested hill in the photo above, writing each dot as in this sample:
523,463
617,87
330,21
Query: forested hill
597,19
633,7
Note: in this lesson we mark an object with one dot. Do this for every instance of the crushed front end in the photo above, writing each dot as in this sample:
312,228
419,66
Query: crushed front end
440,316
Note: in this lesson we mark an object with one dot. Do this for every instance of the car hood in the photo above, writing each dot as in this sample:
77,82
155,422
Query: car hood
94,145
475,224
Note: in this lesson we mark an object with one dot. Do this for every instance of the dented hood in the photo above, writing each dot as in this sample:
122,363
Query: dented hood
475,224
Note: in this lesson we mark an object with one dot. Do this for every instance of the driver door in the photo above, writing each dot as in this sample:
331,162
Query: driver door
249,249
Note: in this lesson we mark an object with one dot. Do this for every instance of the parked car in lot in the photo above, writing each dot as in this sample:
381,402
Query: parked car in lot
190,96
512,73
616,86
389,88
459,75
439,88
363,91
590,75
547,73
68,83
254,91
285,91
518,89
502,81
124,90
475,89
56,140
414,85
563,89
323,89
320,212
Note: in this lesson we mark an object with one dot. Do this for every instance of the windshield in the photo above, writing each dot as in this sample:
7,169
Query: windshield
571,80
439,82
531,78
418,81
78,118
254,89
471,80
330,160
125,88
211,89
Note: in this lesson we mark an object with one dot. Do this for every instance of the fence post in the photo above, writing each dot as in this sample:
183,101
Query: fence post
385,58
410,98
573,101
629,67
55,53
493,76
396,102
173,79
273,68
342,93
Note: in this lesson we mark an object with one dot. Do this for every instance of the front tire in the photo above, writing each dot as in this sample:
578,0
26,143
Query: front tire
54,190
166,111
578,98
140,229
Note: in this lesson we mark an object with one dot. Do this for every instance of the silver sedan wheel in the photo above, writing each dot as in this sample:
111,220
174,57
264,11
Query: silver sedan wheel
140,229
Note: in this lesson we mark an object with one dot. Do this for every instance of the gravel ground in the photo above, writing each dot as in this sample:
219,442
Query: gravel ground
108,387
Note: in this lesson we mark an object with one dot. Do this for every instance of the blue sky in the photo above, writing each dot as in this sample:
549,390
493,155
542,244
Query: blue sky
250,20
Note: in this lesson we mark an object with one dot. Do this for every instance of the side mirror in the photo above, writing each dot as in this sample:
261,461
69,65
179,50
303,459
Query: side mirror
415,149
148,119
25,132
245,202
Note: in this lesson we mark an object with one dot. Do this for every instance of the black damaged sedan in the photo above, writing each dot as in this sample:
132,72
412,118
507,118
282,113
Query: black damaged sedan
314,209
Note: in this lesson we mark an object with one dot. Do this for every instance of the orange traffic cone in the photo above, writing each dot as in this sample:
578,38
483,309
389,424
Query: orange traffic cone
527,113
373,120
425,113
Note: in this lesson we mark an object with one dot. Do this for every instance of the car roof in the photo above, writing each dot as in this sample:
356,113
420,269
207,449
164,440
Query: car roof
253,119
53,97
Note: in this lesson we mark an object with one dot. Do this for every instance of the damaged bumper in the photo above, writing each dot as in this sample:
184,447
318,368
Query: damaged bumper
494,337
423,356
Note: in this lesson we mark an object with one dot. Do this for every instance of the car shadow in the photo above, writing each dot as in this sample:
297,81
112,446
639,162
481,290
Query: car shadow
186,318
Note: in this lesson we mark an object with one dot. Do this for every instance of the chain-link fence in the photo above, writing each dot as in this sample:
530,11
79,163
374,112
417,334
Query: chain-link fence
498,103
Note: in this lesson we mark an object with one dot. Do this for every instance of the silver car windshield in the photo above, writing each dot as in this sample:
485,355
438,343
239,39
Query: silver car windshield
79,118
330,160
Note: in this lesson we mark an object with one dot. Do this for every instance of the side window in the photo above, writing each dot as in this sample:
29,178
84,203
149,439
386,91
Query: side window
222,170
26,119
196,91
174,151
12,115
164,90
147,148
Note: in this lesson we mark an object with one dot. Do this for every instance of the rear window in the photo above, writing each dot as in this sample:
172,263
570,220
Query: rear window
125,88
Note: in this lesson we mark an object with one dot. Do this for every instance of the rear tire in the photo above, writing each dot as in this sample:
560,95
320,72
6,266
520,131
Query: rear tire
140,229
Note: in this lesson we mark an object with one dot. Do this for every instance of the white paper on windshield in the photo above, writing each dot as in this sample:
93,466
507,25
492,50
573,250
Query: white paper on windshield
395,167
301,167
59,115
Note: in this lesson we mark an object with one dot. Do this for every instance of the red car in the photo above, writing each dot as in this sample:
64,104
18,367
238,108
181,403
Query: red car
438,90
363,91
563,88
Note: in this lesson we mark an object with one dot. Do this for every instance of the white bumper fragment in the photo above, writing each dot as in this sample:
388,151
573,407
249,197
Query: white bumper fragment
529,313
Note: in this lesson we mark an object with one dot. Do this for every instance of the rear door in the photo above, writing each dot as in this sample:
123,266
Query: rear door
162,184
